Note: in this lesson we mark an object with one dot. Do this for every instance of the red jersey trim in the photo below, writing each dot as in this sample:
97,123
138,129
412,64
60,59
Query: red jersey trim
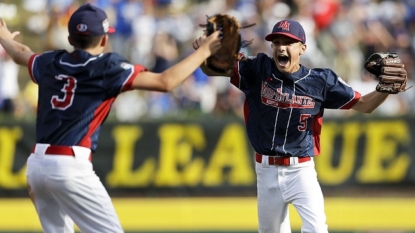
30,67
128,84
316,129
246,112
99,117
352,102
236,78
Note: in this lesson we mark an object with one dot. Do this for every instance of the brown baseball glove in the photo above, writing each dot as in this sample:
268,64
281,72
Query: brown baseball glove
223,61
389,71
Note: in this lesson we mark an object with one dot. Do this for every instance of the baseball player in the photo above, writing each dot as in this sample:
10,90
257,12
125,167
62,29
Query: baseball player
284,106
76,90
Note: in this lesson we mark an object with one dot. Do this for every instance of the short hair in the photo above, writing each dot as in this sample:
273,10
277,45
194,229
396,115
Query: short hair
84,42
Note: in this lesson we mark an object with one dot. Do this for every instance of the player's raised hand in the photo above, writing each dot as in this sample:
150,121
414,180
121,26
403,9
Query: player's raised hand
211,43
19,52
4,31
198,42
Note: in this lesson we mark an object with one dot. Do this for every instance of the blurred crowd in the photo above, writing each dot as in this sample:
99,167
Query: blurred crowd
341,34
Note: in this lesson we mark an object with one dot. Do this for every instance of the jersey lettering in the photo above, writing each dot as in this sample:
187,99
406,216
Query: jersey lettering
69,93
279,99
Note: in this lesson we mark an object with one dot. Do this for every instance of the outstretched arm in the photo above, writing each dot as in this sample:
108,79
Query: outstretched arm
175,75
19,52
369,102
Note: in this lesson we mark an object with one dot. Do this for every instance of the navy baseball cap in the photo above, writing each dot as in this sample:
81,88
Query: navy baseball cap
89,20
287,27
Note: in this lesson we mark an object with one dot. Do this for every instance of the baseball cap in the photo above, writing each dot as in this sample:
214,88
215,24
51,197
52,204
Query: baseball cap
89,20
287,27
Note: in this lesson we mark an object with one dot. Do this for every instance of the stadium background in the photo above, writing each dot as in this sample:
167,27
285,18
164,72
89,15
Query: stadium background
181,162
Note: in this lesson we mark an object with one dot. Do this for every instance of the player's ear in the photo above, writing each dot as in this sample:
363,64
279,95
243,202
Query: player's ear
303,48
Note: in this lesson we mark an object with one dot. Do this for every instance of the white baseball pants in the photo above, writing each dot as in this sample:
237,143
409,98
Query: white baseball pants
65,189
278,186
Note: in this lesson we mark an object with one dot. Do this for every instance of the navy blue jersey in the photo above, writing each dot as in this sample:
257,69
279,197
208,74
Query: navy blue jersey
283,112
76,92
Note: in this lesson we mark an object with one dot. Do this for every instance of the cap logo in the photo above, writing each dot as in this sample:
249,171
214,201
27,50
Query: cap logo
81,27
105,25
284,25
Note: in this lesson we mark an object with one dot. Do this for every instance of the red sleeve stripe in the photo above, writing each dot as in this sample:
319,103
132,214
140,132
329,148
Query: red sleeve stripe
30,67
127,86
352,102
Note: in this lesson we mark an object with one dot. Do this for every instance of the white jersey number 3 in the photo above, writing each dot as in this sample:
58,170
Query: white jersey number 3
68,93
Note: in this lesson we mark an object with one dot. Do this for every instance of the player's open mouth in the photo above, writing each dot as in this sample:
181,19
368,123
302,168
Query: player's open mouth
282,59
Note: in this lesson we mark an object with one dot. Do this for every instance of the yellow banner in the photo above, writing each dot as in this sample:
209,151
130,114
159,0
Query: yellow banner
204,157
227,214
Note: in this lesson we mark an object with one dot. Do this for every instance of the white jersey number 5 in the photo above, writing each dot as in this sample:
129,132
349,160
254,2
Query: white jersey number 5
303,122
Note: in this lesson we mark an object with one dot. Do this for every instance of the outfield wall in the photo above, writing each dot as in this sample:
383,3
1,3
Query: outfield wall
198,176
214,158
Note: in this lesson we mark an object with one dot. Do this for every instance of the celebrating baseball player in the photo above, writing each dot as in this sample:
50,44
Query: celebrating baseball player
76,90
284,107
